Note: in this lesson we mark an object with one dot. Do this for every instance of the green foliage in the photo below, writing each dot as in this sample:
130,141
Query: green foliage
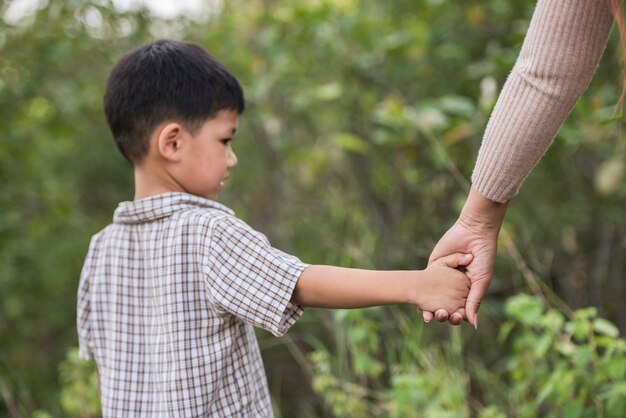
363,123
80,393
398,378
548,366
563,368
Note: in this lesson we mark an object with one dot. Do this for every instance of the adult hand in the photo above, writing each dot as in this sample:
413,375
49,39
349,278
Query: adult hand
476,232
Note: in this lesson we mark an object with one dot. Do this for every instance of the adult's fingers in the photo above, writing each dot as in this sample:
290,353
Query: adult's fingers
457,316
441,315
428,316
476,293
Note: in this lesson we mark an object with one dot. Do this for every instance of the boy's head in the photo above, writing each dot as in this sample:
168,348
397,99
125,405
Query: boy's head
166,81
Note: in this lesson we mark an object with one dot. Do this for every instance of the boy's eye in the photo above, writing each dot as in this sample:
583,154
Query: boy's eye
226,141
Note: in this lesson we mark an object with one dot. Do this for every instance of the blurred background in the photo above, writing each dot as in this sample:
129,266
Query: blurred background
363,122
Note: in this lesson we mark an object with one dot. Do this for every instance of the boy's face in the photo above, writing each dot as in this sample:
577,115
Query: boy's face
209,156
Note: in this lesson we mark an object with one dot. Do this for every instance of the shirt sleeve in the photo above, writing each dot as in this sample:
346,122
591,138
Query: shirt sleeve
559,56
251,280
83,310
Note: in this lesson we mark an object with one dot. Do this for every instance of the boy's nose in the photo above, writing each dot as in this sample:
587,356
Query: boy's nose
232,159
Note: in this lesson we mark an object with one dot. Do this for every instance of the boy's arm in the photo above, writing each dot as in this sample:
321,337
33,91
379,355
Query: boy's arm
440,285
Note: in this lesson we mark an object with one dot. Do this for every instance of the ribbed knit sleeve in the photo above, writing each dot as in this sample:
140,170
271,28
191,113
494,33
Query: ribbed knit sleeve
559,56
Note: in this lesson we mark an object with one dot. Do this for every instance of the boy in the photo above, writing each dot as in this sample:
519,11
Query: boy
169,292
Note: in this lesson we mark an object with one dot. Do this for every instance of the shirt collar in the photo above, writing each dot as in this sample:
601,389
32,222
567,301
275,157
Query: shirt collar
162,206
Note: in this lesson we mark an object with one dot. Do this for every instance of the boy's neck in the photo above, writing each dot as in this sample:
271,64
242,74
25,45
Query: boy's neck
151,182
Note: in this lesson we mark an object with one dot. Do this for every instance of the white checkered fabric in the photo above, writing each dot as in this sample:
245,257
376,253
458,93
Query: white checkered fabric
166,302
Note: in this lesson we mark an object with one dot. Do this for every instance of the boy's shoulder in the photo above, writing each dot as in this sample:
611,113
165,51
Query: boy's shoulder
172,210
173,206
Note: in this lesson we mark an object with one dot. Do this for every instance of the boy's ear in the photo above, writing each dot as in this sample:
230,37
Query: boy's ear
169,141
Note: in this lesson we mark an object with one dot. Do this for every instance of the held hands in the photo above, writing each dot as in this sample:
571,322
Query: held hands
443,286
462,238
476,232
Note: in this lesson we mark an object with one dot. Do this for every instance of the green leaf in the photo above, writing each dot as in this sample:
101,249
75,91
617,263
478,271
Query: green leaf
604,327
526,309
615,398
351,142
457,105
505,330
543,345
573,409
617,369
609,176
329,91
584,356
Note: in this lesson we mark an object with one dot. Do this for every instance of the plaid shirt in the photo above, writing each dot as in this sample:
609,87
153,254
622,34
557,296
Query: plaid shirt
166,302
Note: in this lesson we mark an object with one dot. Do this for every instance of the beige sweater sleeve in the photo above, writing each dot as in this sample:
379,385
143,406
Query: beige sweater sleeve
559,56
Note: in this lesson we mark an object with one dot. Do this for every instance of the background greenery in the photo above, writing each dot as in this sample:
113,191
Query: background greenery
363,122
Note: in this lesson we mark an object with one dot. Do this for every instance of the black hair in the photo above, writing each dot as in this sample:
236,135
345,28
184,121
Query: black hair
165,80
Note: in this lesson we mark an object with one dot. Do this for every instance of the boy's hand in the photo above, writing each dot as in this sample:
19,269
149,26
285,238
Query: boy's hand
442,285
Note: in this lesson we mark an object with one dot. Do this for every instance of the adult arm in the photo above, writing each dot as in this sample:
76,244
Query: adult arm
440,285
561,51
